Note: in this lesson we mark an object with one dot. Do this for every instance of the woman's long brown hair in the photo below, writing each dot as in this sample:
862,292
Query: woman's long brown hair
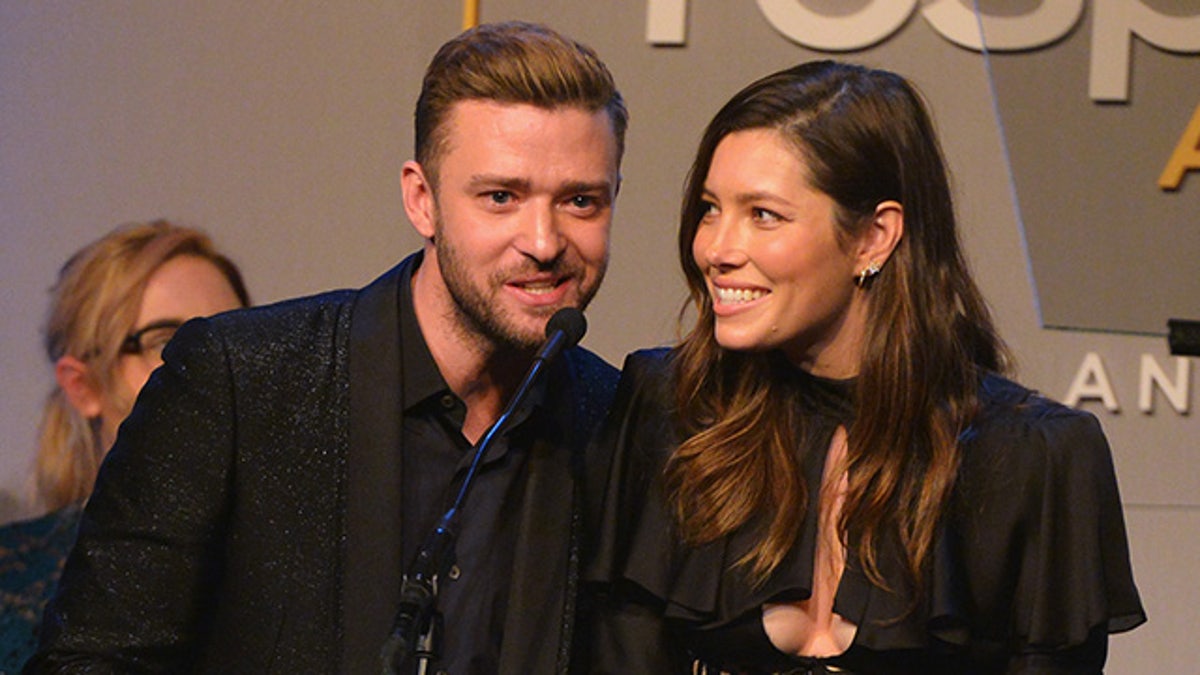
866,138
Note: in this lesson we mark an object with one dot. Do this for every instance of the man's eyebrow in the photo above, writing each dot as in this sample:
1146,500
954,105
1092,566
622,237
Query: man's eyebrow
496,181
577,187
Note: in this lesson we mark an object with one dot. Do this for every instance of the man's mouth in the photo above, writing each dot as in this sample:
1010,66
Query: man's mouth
538,287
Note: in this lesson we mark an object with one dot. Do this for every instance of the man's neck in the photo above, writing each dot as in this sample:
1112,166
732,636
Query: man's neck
485,388
481,373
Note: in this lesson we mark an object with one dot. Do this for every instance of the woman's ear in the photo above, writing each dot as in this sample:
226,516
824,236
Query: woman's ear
881,236
75,379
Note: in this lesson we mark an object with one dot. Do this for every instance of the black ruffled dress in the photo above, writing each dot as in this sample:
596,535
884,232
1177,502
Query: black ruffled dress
1030,574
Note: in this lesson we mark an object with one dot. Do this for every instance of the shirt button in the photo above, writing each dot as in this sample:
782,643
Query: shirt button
454,573
448,401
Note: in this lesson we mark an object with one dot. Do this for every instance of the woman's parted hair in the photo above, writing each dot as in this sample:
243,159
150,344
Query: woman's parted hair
512,62
93,307
865,137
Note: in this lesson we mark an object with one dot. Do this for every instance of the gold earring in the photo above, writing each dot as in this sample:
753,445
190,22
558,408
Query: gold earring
866,274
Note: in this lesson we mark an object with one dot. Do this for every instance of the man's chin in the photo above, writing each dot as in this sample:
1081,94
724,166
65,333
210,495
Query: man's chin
528,340
524,328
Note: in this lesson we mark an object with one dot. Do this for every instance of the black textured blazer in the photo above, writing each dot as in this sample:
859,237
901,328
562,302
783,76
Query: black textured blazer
247,519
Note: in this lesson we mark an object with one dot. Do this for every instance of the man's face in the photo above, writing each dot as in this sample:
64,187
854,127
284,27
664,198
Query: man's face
521,215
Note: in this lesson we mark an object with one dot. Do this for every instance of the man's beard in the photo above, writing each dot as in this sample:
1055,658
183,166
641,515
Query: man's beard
476,310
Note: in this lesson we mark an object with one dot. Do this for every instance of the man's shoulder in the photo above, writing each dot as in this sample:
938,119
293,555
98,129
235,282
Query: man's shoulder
330,310
594,378
310,314
284,315
584,361
296,333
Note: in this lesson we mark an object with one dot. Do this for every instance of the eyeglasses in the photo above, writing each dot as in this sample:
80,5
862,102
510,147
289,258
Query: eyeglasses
149,340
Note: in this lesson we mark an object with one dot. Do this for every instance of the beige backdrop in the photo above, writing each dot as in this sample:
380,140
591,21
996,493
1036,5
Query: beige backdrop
281,127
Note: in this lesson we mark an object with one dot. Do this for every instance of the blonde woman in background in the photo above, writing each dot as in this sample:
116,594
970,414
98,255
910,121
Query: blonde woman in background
115,305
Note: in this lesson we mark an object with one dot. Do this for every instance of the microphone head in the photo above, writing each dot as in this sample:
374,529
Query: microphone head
572,324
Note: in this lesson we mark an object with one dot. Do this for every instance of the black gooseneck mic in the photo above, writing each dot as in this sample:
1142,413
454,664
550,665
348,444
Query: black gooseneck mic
416,629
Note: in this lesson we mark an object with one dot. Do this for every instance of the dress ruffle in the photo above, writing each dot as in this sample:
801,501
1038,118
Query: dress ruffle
1032,555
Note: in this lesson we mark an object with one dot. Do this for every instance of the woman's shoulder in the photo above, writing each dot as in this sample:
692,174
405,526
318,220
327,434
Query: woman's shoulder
31,558
55,529
652,362
31,555
648,373
1016,420
1029,459
1026,458
647,379
1000,394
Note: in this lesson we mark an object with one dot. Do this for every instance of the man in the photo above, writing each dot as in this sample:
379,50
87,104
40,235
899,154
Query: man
283,467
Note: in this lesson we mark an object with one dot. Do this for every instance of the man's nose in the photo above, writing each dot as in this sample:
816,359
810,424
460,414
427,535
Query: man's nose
541,234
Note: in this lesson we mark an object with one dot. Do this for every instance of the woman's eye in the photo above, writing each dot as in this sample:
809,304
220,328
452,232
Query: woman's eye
766,216
155,340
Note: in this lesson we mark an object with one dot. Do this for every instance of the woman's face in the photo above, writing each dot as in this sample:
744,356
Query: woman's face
182,288
768,248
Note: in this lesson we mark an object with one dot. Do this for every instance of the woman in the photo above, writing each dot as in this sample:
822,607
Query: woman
829,473
116,304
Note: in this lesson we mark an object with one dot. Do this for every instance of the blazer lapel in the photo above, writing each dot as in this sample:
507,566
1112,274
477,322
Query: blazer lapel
541,611
536,601
371,565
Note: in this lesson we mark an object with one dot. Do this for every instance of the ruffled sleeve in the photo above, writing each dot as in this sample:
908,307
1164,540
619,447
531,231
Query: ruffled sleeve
640,555
1036,536
1031,568
638,543
627,631
635,437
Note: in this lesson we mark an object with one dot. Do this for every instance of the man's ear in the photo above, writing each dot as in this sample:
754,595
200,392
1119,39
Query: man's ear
75,379
419,201
881,237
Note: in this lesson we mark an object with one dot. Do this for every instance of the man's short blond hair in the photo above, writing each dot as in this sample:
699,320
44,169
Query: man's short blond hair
512,62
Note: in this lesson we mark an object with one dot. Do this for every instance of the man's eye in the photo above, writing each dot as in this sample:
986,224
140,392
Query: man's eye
584,201
500,197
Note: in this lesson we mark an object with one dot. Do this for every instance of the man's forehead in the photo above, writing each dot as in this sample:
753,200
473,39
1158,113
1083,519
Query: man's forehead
516,133
477,109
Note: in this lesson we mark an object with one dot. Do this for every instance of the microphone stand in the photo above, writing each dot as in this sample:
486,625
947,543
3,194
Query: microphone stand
416,631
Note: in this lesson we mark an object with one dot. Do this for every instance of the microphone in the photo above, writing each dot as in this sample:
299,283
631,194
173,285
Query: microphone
564,330
411,629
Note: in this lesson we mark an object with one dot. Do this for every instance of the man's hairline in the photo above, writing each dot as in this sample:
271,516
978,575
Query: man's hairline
438,138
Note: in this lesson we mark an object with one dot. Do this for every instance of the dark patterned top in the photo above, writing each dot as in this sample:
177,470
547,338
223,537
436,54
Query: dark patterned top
1029,573
32,553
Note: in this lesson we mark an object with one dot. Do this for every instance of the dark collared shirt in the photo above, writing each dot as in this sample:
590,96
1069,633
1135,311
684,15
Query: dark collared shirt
436,458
